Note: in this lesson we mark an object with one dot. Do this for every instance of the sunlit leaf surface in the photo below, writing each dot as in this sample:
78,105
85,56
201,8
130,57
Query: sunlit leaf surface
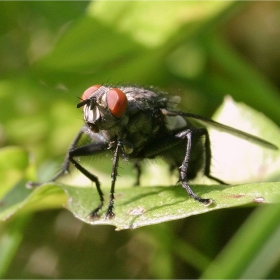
139,206
152,205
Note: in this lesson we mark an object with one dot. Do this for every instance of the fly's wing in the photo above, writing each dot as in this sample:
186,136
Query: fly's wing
224,128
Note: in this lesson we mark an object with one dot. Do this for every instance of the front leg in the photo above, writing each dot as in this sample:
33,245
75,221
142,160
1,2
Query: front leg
88,150
137,166
110,214
187,134
66,162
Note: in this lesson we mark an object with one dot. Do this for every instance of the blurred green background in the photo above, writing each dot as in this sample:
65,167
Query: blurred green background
50,52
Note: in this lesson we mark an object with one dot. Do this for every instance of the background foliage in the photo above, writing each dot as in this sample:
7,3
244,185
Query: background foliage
50,52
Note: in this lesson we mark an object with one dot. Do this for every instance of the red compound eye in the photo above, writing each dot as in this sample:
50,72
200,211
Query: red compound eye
117,102
88,92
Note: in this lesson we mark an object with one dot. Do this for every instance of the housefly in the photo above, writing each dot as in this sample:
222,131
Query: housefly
136,124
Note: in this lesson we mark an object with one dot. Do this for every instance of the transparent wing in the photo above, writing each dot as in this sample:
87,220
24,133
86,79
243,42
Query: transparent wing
224,128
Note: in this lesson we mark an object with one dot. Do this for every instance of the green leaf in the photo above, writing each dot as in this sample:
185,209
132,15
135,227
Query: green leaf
13,163
236,160
247,255
139,206
10,239
142,206
239,78
147,21
21,198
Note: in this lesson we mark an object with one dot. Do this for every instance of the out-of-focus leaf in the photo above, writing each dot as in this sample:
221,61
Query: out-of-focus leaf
95,46
20,198
13,163
247,255
239,79
236,160
153,23
10,239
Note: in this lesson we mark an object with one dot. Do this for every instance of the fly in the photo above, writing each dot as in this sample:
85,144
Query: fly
136,124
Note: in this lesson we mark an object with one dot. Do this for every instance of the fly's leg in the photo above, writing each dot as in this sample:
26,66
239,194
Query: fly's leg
88,150
110,214
66,162
187,134
137,166
172,168
208,158
94,213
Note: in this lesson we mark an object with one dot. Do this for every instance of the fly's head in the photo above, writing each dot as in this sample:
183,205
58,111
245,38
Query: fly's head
104,107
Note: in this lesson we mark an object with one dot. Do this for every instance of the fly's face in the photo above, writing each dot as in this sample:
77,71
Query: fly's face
103,107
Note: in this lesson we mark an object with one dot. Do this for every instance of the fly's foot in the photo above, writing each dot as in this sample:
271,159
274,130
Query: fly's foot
205,201
32,185
109,214
94,215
